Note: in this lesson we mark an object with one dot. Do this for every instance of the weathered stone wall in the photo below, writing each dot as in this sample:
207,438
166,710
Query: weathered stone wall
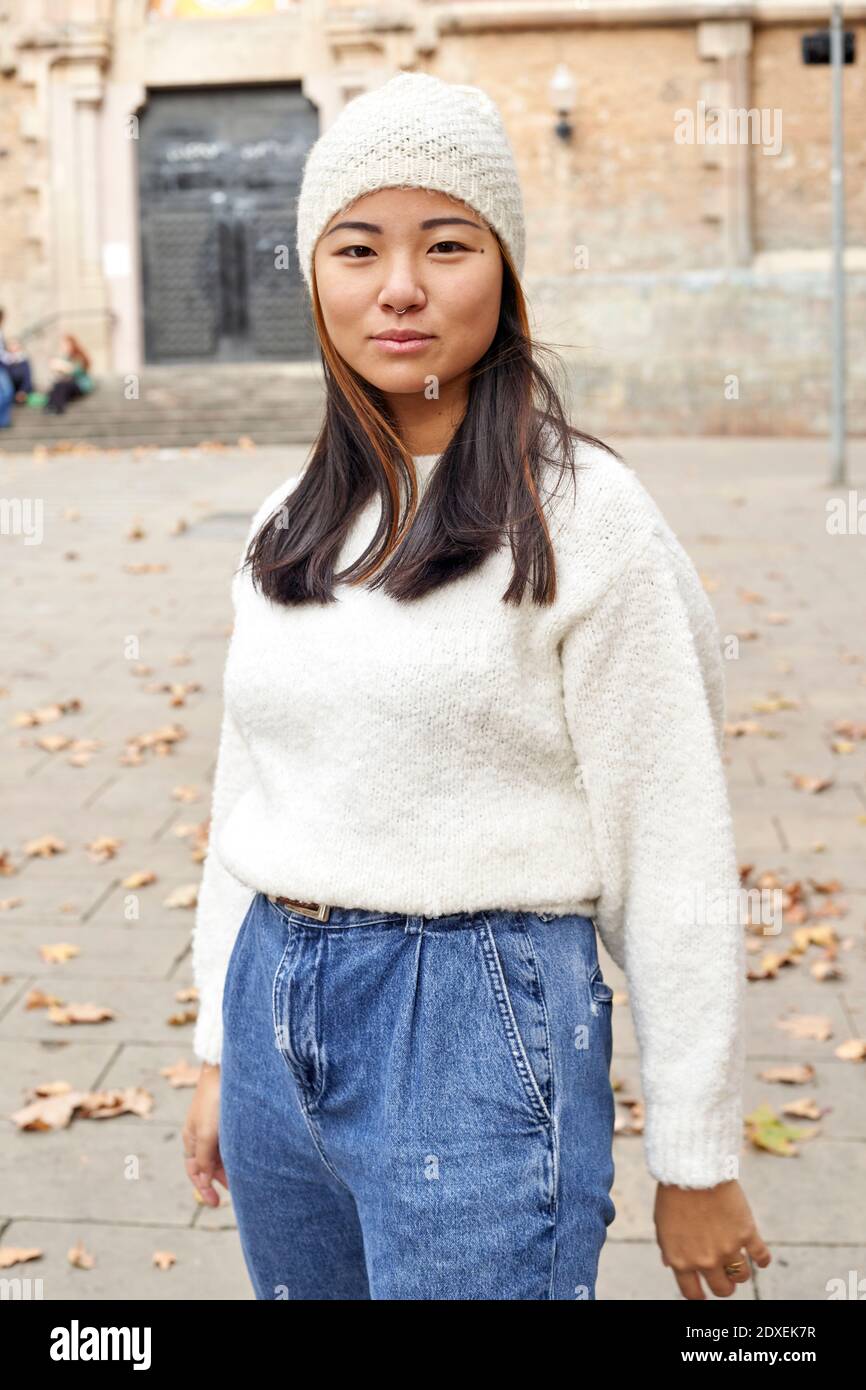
687,285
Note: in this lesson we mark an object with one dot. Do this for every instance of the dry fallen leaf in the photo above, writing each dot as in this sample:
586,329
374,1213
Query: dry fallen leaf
850,728
185,793
44,846
773,703
55,1111
810,784
80,1013
159,741
15,1255
854,1050
178,1020
105,1105
47,714
53,743
825,970
79,1258
181,1073
38,999
740,727
164,1259
829,908
48,1112
805,1108
791,1075
806,1026
804,937
59,952
826,886
177,690
185,896
140,879
769,965
632,1122
102,848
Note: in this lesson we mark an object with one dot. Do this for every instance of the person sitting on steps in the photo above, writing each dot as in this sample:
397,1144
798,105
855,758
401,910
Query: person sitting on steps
72,378
17,364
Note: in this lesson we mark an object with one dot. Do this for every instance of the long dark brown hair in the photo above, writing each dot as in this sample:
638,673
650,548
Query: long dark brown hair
75,349
485,484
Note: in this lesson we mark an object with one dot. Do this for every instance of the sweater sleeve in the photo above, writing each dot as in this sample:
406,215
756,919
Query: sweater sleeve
644,697
223,901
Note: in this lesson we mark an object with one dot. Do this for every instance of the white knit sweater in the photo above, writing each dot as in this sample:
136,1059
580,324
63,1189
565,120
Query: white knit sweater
456,753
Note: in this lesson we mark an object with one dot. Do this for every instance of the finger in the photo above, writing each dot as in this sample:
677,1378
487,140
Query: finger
722,1284
758,1251
690,1284
741,1275
203,1183
200,1171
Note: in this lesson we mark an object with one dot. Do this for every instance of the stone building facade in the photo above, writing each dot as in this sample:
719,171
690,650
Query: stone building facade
678,218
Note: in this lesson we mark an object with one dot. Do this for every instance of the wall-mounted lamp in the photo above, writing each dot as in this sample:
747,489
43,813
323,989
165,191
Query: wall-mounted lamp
563,98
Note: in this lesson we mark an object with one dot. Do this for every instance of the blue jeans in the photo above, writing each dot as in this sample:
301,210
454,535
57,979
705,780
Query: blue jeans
417,1107
7,396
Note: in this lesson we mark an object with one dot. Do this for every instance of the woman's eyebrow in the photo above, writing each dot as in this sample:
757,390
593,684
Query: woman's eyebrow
373,228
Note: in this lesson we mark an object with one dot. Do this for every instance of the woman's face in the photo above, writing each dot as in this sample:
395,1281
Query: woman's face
447,277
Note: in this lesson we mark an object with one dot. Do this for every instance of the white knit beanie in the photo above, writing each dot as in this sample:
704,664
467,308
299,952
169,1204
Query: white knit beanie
415,131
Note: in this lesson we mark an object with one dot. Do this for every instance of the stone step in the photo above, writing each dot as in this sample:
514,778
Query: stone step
178,439
182,406
75,421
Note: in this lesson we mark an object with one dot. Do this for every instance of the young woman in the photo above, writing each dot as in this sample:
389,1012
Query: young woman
72,375
473,710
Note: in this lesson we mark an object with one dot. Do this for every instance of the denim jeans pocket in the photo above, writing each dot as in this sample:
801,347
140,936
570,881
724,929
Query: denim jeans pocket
512,969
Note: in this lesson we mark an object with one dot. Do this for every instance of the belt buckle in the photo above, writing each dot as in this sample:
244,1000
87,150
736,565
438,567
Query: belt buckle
319,911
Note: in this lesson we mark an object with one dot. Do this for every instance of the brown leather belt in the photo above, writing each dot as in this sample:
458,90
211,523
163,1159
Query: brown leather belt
321,911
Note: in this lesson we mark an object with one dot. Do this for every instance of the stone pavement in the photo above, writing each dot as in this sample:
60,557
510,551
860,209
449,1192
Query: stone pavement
752,513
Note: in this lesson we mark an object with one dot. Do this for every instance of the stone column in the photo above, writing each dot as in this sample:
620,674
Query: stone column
76,184
729,44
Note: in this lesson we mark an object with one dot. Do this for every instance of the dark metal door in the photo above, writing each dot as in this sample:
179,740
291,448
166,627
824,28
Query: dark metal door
219,175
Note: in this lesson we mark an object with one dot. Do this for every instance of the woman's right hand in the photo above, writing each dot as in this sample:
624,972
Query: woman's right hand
201,1137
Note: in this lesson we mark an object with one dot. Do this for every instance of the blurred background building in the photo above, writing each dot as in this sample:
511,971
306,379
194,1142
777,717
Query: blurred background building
151,152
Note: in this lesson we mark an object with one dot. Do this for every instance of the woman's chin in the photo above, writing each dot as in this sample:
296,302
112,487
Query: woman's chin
398,378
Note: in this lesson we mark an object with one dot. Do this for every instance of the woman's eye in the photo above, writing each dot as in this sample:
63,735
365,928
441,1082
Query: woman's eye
366,251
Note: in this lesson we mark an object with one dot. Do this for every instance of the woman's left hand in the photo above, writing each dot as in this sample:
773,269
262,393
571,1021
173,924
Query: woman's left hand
702,1229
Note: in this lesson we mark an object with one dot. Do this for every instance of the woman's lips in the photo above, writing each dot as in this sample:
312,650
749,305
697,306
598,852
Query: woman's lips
408,346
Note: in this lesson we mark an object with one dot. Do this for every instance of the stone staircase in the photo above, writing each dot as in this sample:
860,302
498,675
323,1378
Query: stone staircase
181,407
